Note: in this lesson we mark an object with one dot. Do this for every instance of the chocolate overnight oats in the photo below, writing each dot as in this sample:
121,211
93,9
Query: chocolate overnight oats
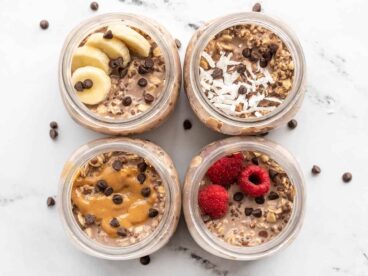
118,71
118,198
246,199
246,71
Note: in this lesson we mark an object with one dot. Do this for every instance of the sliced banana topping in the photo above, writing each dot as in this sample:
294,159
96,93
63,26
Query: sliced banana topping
92,85
90,56
113,48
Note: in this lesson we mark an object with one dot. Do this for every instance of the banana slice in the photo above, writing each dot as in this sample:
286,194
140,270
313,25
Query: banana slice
134,40
114,47
90,56
100,87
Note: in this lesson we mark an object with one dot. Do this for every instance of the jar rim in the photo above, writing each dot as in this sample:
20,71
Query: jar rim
197,170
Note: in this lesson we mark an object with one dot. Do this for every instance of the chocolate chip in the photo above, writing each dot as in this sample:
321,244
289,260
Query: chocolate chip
187,124
117,199
117,165
108,35
87,84
101,185
141,178
257,7
53,134
257,213
238,196
122,72
242,90
292,124
217,73
79,86
145,260
122,232
259,200
240,68
267,55
53,124
273,195
50,201
246,52
273,48
272,173
142,82
263,233
146,192
148,63
114,63
316,169
127,101
152,213
255,161
108,191
263,62
346,177
248,211
148,98
114,223
94,6
255,55
44,24
142,166
89,219
142,70
177,43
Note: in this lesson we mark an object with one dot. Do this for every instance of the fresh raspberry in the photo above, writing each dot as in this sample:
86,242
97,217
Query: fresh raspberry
254,181
213,201
226,170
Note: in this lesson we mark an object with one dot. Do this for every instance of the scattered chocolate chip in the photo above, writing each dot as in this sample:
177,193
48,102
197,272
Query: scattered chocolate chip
101,185
44,24
238,196
177,43
127,101
255,161
272,173
148,63
292,124
148,98
263,233
316,169
142,82
53,124
273,48
122,232
257,213
142,70
117,199
263,62
79,86
53,134
141,178
152,213
108,35
267,55
242,90
114,223
108,191
87,84
255,55
257,7
217,73
273,195
146,192
89,219
187,124
259,200
248,211
145,260
117,165
114,63
346,177
122,72
50,201
206,218
246,52
94,6
142,166
240,68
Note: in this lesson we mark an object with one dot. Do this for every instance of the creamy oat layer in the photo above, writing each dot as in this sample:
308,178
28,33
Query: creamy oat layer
118,198
118,71
252,221
246,71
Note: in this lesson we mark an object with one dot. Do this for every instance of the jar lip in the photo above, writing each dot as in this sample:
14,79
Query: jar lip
271,23
74,231
213,152
89,25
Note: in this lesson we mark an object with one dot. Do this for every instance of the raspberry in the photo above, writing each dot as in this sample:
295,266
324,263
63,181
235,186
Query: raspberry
213,201
226,170
254,181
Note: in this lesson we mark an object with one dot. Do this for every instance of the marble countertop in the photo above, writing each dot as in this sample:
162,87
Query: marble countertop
332,133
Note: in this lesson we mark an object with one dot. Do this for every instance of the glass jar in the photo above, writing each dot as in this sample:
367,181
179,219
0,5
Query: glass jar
231,125
198,168
164,166
144,121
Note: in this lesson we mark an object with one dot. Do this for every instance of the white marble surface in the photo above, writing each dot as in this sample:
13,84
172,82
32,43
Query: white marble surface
332,132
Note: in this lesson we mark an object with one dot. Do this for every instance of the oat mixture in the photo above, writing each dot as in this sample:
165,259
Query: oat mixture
252,221
118,198
246,71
